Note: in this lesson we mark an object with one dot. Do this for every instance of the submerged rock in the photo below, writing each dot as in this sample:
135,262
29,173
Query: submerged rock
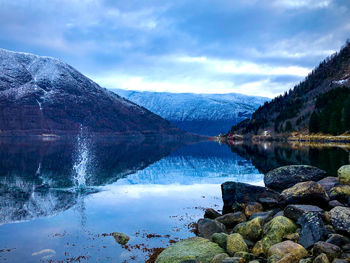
306,193
344,174
207,227
295,211
235,243
234,192
340,218
120,238
287,176
197,248
312,229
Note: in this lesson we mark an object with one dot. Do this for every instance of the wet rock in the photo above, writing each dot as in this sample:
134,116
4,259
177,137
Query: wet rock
234,192
211,213
219,257
288,247
249,243
293,237
252,208
196,248
220,239
340,192
268,202
289,258
334,203
250,230
280,213
338,240
332,251
321,258
312,229
344,174
340,218
120,238
287,176
207,227
273,233
294,212
245,255
328,183
274,259
267,216
305,193
232,219
306,260
235,243
233,260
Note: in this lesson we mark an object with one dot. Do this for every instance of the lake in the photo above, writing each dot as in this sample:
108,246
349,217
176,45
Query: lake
60,199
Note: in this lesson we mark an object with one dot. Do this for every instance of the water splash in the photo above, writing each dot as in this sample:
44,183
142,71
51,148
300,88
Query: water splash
80,166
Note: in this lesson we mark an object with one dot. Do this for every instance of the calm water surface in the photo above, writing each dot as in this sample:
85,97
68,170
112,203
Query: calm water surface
59,199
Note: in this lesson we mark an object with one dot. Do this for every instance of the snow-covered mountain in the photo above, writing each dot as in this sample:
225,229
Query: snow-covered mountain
42,95
208,114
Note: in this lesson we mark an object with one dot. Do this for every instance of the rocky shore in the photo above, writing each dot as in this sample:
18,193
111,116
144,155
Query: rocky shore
301,216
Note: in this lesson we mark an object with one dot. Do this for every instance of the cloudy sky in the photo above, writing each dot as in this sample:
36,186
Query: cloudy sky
255,47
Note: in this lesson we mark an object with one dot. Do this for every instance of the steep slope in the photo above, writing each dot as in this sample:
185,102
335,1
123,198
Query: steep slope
208,114
42,95
321,103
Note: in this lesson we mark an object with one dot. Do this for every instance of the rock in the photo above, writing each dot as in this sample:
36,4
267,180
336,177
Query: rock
340,218
334,203
232,219
249,243
235,243
219,257
245,255
340,192
254,261
195,248
233,260
280,213
273,233
345,256
267,216
120,238
274,259
211,213
220,239
344,174
293,237
338,240
287,176
312,229
207,227
295,211
306,193
346,247
252,208
339,260
235,192
268,202
306,260
288,247
332,251
289,258
321,258
250,230
328,183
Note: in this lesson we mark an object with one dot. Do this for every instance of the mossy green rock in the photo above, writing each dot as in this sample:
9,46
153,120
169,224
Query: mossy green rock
220,239
195,248
340,192
120,238
273,233
235,243
250,230
344,174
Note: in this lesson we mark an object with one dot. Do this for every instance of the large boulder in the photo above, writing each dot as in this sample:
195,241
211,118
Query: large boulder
295,211
344,174
312,229
306,193
235,243
196,249
273,233
340,218
207,227
287,176
250,230
288,247
235,192
232,219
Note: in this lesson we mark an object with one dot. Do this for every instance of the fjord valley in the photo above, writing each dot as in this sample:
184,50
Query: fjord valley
319,104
